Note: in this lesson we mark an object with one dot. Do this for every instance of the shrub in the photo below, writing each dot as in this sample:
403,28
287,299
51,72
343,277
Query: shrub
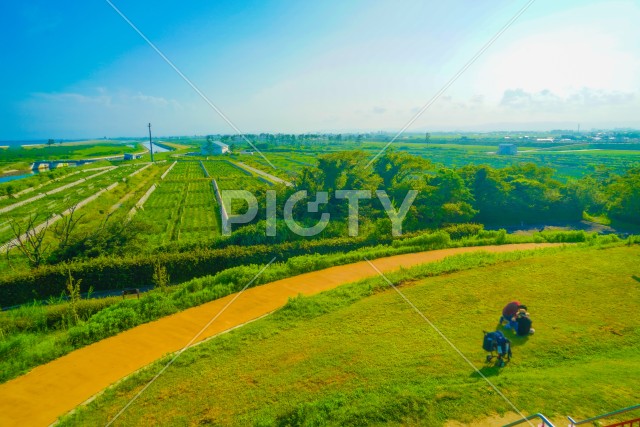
437,240
460,231
488,234
104,324
160,276
608,239
574,236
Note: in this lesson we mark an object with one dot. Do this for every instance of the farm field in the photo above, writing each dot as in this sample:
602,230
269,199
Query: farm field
15,188
568,164
49,185
17,157
219,169
199,219
110,207
232,179
181,203
361,355
567,161
185,170
184,207
288,164
56,203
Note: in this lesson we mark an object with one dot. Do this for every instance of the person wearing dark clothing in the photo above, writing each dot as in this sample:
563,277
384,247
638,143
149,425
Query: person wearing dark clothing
523,324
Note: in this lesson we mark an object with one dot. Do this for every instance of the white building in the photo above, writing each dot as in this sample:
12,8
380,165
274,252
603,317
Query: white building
213,148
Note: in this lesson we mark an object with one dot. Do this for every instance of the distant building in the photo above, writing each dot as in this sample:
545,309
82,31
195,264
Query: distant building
130,156
213,148
247,152
507,149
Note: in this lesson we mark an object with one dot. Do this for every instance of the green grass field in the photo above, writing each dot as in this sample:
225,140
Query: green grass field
360,355
19,157
568,160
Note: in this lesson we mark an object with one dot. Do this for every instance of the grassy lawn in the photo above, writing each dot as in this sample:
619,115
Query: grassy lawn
360,355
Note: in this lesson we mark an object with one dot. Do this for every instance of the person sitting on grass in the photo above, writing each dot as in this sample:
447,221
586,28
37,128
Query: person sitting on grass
523,324
509,314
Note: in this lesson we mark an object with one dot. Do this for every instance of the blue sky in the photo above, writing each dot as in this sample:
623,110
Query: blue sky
76,69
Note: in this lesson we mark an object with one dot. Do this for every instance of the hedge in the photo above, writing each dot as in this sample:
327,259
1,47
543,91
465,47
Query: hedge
109,273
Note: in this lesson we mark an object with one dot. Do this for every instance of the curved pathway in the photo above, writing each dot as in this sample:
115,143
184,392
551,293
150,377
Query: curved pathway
48,391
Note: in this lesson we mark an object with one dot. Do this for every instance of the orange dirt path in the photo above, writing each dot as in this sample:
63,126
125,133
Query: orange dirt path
49,391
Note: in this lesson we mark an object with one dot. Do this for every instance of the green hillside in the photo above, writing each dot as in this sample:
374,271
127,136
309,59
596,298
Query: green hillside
360,355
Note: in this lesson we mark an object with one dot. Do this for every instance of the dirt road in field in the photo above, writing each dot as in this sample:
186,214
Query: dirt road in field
39,397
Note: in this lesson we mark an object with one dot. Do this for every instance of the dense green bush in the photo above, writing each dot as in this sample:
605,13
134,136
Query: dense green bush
461,231
572,236
37,317
120,273
426,241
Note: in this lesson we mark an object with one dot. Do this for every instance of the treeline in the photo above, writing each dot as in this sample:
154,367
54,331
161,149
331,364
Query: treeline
523,193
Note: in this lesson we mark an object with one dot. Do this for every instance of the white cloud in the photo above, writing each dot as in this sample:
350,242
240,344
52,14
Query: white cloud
596,98
594,46
104,98
545,100
75,114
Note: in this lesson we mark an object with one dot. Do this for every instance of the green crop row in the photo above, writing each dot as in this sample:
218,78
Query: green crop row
182,210
49,185
186,169
221,168
57,203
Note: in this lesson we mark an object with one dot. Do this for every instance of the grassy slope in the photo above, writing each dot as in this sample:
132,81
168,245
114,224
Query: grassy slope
343,359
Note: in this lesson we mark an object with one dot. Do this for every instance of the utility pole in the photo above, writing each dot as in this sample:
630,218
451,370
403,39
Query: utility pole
150,143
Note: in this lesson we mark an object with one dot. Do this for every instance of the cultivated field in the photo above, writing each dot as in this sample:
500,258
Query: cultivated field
54,201
184,206
569,161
